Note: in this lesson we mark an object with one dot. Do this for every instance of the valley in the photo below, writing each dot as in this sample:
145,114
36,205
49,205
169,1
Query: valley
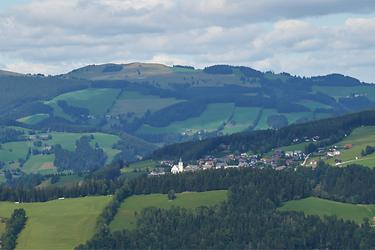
103,152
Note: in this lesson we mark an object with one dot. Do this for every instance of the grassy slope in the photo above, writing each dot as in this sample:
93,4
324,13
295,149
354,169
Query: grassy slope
322,207
97,101
243,118
211,119
126,219
42,164
337,92
360,138
58,224
132,101
140,166
262,123
33,119
2,227
13,151
291,117
313,105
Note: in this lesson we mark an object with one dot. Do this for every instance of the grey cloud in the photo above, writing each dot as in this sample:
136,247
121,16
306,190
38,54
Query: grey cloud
57,36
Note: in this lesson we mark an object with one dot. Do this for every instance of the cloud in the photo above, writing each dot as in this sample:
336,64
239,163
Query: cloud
53,36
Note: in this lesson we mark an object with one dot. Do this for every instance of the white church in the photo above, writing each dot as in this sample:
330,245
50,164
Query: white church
176,169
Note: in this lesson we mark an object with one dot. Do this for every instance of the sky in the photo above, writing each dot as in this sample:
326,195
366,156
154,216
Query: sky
309,37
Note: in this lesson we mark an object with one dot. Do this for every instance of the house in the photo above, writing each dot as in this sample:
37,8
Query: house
176,169
191,168
333,153
231,166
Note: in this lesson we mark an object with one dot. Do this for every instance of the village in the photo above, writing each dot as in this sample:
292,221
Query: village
277,159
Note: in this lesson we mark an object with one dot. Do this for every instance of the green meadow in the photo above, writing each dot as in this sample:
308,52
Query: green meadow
57,224
12,151
126,215
43,164
97,101
33,119
359,138
337,92
137,103
312,105
140,166
298,146
243,118
322,207
2,227
215,116
291,117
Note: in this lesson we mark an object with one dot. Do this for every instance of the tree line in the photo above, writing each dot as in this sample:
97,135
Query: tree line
13,227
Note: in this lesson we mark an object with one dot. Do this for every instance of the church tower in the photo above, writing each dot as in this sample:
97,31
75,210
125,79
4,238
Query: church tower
180,166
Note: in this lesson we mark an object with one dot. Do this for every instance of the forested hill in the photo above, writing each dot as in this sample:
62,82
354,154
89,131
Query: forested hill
329,131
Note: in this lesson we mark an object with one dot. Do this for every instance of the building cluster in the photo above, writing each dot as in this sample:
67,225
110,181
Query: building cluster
279,160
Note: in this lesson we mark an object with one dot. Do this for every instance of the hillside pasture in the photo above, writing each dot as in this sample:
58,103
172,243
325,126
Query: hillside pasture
2,227
242,119
43,164
291,117
323,207
138,103
341,91
126,215
140,166
33,119
312,105
13,151
359,138
57,224
97,101
215,116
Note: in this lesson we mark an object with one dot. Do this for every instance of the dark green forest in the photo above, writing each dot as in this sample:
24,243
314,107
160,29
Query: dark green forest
250,217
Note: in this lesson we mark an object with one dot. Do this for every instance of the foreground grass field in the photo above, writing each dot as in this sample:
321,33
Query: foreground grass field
58,224
126,215
322,207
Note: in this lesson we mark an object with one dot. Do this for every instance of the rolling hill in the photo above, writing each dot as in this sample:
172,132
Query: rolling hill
149,105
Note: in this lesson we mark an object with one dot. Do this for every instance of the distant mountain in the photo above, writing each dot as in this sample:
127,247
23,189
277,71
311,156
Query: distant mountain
160,104
9,73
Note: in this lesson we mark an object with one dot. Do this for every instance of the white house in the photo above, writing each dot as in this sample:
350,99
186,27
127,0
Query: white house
176,169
